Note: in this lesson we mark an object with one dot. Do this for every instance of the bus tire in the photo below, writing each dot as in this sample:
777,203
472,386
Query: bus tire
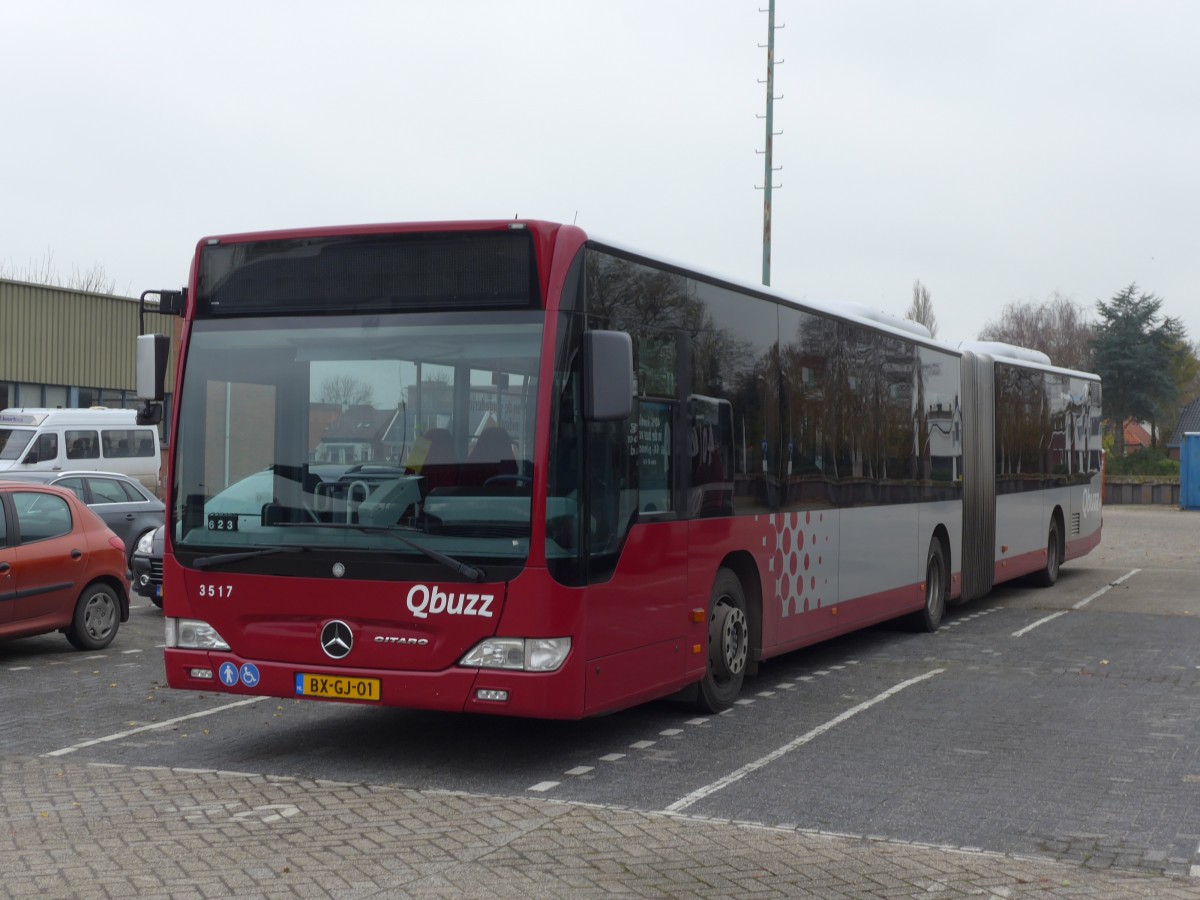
728,644
1048,575
929,618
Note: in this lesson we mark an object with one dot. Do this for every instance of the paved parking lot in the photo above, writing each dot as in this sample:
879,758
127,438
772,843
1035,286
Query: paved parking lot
77,830
119,795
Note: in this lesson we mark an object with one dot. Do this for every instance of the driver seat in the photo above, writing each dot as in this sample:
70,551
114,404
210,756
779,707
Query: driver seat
440,467
492,455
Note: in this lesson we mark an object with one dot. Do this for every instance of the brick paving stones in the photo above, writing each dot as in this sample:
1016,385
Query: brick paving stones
69,829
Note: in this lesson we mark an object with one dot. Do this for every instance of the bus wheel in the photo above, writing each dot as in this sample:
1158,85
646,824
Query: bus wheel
930,616
1048,575
728,644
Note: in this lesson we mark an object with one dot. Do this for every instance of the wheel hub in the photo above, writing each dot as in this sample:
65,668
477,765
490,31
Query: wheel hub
728,640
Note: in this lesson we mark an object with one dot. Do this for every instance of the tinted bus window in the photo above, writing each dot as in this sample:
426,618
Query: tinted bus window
735,359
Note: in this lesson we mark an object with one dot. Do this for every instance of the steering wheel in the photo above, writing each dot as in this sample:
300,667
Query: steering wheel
509,479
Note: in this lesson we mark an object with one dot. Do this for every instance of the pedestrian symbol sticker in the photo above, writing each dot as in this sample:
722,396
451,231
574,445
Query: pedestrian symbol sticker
249,674
228,673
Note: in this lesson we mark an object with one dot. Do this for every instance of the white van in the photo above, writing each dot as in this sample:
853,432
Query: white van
96,439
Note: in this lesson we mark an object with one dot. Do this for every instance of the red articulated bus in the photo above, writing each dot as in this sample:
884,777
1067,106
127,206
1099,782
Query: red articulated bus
502,467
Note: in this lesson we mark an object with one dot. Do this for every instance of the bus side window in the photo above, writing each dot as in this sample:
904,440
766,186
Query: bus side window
653,448
612,457
564,493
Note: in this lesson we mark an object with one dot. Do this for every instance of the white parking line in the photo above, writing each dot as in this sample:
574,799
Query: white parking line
1080,605
1104,590
722,783
167,724
1029,628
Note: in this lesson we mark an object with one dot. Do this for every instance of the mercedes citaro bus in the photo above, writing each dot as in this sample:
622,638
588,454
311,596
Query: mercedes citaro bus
504,467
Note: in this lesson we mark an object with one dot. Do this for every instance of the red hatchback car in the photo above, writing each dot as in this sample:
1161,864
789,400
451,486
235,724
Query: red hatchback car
61,568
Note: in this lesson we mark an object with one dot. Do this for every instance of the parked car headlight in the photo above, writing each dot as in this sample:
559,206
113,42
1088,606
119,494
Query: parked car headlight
145,543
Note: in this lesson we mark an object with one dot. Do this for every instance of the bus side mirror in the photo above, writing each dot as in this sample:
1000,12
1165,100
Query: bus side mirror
152,353
607,376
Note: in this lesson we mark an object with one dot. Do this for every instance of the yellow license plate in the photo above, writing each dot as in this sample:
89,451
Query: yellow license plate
336,687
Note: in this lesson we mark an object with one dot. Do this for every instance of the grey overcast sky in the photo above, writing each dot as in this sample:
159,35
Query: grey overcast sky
996,151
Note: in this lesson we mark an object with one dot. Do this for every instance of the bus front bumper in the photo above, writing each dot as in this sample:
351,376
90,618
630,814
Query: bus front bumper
551,695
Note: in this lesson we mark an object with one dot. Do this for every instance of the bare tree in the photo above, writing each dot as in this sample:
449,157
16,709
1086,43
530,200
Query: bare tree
94,281
40,272
346,391
1058,326
1185,371
921,308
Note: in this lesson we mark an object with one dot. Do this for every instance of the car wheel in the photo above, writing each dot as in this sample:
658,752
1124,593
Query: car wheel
97,618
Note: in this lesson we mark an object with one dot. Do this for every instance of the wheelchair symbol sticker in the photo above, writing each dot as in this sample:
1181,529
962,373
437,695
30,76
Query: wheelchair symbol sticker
230,674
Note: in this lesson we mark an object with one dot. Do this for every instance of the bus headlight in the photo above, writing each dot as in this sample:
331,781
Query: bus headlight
520,654
546,654
193,634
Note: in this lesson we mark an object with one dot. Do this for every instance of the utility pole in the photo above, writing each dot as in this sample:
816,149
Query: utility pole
767,169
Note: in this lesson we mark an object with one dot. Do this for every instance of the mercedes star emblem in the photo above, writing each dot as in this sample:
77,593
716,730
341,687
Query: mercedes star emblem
336,639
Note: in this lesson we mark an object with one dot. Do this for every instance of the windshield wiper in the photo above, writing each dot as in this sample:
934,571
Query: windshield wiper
467,571
219,559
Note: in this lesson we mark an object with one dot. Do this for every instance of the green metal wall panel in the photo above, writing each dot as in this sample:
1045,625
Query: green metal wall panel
53,335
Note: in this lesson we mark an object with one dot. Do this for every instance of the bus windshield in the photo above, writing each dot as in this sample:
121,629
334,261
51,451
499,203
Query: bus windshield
331,432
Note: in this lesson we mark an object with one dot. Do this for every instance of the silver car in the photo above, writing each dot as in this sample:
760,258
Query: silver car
124,505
